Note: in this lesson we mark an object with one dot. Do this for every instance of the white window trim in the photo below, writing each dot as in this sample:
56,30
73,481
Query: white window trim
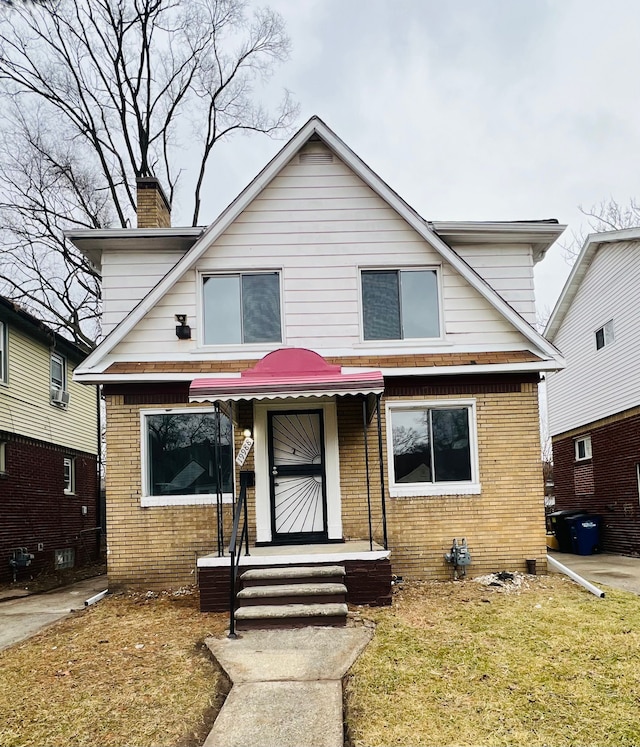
4,346
238,346
403,490
587,448
638,479
3,457
71,490
196,499
402,341
608,337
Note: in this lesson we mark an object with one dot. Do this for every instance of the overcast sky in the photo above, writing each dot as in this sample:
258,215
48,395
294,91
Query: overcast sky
469,109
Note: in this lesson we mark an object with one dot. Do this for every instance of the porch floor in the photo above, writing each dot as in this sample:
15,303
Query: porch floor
329,552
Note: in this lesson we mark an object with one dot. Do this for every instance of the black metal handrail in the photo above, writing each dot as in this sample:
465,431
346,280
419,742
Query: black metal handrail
235,547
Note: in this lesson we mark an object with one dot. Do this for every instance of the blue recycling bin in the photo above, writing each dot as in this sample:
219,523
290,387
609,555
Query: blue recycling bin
586,534
559,522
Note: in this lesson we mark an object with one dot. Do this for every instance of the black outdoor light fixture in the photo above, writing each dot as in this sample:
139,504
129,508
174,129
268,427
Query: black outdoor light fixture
183,330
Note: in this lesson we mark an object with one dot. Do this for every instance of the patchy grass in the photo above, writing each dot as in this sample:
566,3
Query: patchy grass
130,670
466,664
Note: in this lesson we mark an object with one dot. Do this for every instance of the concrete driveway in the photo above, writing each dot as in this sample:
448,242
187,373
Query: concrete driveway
618,571
22,618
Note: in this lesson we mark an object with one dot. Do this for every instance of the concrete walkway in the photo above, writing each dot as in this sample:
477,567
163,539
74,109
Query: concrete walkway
23,617
287,686
618,571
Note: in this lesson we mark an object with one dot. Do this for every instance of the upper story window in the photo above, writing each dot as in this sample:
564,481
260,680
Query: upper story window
582,447
187,457
400,304
59,393
604,335
432,448
4,368
242,308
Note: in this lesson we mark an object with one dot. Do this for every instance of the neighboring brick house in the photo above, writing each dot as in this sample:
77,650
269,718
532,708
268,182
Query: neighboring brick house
594,403
48,449
386,368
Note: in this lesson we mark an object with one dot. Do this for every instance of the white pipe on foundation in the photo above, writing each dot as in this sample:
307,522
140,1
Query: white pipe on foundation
575,577
96,597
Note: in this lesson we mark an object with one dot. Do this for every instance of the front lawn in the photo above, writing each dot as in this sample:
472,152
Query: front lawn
467,664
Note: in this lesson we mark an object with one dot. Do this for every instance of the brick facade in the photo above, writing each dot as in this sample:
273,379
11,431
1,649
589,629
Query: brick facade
607,484
157,547
34,508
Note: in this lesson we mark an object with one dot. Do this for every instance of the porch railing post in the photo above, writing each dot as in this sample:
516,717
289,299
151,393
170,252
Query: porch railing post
382,490
218,452
366,461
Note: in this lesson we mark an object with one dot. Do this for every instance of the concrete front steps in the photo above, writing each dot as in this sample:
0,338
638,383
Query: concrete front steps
291,597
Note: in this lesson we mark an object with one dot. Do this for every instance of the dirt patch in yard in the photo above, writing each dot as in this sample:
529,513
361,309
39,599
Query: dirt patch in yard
132,670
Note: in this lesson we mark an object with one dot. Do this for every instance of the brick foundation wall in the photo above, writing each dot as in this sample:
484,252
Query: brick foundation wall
35,509
607,484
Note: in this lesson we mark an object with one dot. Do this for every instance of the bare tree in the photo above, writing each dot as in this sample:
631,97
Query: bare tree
607,215
94,93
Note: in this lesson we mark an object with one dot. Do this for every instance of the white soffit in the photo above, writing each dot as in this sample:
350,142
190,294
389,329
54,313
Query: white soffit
316,127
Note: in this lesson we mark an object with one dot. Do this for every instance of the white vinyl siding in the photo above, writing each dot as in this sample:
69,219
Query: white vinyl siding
25,405
597,384
3,353
320,224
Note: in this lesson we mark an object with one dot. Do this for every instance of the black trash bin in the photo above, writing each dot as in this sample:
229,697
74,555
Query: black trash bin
586,532
559,523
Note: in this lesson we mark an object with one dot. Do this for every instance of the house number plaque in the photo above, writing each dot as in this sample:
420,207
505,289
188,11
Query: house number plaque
244,451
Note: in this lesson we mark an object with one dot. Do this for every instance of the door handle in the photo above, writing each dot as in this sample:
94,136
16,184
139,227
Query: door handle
274,471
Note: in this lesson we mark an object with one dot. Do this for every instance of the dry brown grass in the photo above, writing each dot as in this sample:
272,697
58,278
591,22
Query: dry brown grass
130,670
465,664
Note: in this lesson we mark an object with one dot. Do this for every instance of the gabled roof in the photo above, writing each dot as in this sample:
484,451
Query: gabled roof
593,243
315,128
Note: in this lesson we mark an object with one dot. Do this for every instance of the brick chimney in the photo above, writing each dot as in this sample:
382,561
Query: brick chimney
153,208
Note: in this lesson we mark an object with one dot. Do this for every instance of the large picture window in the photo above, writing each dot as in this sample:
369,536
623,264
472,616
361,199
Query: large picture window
188,455
242,308
400,304
432,448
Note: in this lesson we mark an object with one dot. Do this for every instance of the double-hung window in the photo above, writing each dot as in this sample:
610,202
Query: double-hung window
4,372
242,308
400,304
69,468
187,457
432,448
582,448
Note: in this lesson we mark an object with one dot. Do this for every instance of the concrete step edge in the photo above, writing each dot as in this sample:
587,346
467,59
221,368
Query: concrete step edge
294,571
284,611
291,590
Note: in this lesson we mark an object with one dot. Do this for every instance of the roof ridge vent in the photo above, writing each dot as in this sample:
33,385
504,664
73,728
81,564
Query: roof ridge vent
317,157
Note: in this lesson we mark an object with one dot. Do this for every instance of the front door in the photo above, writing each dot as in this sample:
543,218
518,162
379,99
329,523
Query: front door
297,476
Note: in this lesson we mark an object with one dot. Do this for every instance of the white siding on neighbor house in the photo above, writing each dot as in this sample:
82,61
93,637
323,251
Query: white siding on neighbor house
599,383
508,268
25,401
319,224
127,277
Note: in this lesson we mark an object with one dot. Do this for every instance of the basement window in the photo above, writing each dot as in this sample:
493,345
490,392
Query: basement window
582,448
65,558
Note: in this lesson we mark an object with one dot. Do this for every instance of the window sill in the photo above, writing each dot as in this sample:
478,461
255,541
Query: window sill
203,499
408,343
238,347
424,491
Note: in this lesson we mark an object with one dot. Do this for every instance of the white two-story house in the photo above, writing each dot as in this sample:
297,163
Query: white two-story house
383,368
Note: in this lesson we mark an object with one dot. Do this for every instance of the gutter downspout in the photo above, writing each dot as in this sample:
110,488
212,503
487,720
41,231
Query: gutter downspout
575,577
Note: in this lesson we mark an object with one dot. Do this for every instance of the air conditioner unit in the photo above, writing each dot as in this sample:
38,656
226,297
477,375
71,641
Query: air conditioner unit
60,397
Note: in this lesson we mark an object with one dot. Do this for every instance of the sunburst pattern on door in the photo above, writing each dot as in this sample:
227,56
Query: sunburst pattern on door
297,458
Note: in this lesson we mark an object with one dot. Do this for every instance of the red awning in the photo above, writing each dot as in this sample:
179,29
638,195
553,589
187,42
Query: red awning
289,372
